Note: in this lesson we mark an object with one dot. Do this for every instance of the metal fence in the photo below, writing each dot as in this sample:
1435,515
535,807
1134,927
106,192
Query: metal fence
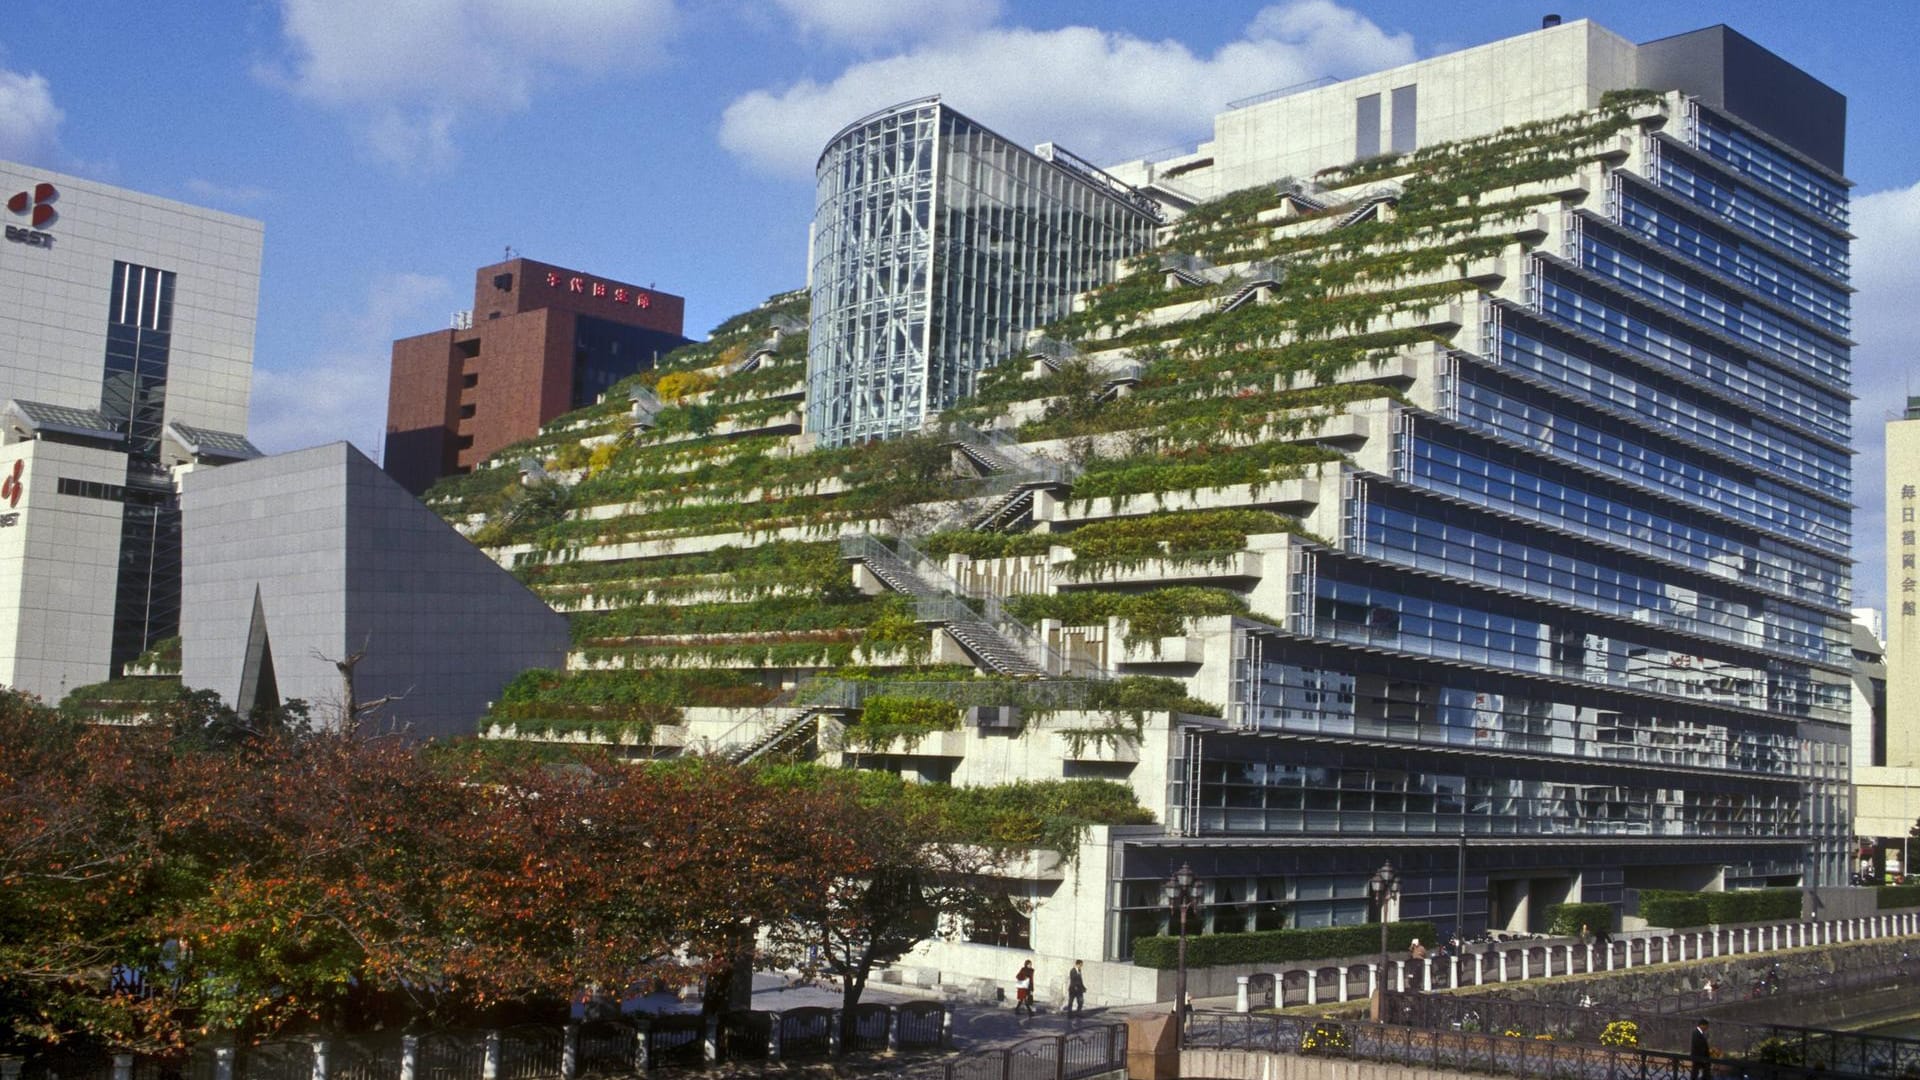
1527,1058
600,1048
1838,1052
1075,1055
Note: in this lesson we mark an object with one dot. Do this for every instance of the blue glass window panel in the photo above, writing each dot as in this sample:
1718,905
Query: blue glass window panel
1693,416
1774,170
1790,399
1718,251
1797,347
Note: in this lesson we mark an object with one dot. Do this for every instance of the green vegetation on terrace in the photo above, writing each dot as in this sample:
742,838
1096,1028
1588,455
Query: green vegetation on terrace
771,615
1150,615
1211,399
1131,541
125,698
888,718
766,569
1204,466
163,656
613,703
1048,814
1124,541
1131,695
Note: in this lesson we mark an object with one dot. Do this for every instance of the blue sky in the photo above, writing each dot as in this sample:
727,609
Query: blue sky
393,146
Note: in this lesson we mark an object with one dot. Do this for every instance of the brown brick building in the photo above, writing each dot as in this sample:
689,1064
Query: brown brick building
539,341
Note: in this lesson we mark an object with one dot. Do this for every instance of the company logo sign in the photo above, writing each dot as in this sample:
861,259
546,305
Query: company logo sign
13,486
39,202
37,207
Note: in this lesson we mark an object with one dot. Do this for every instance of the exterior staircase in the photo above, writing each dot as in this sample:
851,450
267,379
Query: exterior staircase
1009,511
988,460
1304,201
1369,205
786,735
1263,275
999,642
1015,472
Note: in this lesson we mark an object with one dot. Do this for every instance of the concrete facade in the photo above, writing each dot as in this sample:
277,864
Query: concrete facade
1536,76
1887,783
53,320
59,557
318,554
126,353
539,340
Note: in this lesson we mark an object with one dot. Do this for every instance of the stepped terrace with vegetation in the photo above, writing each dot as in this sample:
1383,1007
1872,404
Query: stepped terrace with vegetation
1113,491
1043,587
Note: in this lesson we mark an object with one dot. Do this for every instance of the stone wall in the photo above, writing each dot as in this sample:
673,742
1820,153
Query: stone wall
1251,1065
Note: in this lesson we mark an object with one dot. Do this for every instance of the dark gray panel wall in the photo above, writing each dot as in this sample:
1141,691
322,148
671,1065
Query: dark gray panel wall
1728,70
345,559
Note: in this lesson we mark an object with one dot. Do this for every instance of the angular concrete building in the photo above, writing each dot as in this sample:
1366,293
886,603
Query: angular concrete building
296,561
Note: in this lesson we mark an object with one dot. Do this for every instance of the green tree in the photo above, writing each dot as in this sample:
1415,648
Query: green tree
891,876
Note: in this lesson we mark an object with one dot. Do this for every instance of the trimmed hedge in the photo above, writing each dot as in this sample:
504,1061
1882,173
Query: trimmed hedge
1736,906
1566,919
1278,946
1754,905
1674,911
1897,896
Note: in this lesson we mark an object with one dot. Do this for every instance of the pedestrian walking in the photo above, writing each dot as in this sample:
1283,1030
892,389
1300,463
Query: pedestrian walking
1417,951
1076,990
1023,989
1702,1055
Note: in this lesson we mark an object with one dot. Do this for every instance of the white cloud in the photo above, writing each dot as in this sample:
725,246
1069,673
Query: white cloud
874,22
407,73
28,117
228,193
1103,94
1886,322
340,392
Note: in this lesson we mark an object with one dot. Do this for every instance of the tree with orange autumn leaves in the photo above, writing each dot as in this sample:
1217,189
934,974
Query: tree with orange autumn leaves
156,889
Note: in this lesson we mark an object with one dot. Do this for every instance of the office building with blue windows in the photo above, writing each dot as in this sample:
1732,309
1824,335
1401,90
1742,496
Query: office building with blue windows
1572,608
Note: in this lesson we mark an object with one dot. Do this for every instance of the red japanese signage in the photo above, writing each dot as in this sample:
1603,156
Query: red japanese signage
618,294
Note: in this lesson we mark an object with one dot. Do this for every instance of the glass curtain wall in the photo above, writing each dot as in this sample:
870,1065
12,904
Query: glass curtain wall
936,245
1641,479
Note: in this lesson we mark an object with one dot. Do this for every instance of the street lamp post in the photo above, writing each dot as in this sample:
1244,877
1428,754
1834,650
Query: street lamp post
1181,895
1382,886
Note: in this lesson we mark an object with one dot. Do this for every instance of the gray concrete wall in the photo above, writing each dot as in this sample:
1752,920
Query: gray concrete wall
345,560
275,525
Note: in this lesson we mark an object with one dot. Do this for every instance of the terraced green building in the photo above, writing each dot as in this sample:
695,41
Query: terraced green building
1480,502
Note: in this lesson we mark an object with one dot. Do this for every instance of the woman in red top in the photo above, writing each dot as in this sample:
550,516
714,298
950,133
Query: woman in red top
1023,989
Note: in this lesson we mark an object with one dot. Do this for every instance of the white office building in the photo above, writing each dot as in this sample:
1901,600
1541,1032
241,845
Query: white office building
126,357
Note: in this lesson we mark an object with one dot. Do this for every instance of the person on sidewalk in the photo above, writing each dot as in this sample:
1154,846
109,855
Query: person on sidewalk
1702,1055
1076,991
1023,989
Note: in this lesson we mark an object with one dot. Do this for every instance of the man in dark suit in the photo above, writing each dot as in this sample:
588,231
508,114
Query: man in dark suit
1702,1052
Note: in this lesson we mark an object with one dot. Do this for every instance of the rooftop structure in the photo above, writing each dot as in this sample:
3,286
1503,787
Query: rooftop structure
538,341
936,245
